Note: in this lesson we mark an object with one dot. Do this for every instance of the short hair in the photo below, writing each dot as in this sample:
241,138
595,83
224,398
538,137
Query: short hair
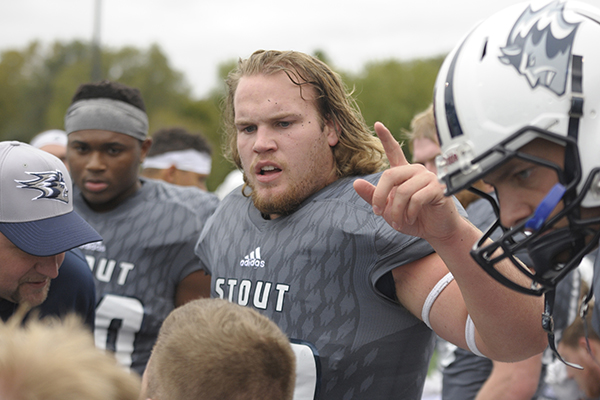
578,329
109,90
56,360
213,349
423,126
176,139
358,151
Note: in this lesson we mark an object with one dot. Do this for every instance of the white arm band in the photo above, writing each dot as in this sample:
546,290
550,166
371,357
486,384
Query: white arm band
433,295
470,337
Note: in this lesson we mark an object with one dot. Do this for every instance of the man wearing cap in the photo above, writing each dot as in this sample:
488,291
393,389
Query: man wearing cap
145,266
178,157
38,227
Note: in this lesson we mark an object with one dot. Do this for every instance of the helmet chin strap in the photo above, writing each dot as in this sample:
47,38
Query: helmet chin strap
548,326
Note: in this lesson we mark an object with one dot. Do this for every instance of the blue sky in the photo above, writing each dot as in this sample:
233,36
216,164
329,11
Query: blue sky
197,35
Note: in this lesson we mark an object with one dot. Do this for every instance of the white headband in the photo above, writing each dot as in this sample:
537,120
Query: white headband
185,160
53,136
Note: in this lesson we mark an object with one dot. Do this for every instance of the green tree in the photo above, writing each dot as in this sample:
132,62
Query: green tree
37,83
394,91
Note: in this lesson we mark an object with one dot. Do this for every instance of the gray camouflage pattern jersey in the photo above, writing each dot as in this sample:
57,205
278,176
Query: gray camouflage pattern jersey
314,273
147,249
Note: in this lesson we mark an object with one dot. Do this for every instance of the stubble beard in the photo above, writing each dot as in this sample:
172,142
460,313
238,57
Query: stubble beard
32,299
281,204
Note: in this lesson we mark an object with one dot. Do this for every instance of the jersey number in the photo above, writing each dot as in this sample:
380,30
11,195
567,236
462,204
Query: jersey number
118,319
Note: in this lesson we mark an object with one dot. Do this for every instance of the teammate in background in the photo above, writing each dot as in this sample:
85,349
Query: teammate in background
233,180
467,376
37,226
424,146
145,266
212,349
178,157
574,348
302,247
517,105
53,141
57,360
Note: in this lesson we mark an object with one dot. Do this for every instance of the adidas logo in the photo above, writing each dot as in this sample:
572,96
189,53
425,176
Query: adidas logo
253,260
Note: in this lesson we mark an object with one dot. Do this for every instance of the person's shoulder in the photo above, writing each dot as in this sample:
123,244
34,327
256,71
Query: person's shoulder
342,190
75,270
184,196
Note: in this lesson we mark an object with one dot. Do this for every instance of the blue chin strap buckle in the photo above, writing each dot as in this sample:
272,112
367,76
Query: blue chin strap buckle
544,209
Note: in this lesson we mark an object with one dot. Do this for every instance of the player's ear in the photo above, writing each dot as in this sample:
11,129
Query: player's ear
582,343
332,129
145,147
169,174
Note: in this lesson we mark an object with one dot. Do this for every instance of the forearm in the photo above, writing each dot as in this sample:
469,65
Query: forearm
512,381
508,324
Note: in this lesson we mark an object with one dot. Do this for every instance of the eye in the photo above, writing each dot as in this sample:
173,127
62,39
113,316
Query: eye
114,151
248,129
79,148
284,124
524,174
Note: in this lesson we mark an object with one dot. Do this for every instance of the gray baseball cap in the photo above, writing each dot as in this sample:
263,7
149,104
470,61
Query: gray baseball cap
36,202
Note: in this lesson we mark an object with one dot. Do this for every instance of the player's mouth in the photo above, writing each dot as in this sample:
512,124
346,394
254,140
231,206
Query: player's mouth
37,284
95,185
267,172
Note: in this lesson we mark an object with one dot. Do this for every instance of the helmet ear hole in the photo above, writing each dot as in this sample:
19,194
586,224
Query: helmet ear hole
484,52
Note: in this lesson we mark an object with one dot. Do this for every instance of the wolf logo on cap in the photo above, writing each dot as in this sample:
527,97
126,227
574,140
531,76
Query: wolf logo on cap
51,184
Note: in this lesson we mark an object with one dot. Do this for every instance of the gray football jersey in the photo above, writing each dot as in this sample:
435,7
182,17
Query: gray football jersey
147,249
314,272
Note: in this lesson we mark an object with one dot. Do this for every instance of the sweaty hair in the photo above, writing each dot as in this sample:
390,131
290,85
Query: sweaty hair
212,349
57,360
176,139
109,90
358,151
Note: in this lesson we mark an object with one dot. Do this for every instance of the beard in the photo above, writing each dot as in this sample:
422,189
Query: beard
281,204
31,298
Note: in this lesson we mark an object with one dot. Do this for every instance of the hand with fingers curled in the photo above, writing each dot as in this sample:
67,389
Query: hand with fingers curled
409,197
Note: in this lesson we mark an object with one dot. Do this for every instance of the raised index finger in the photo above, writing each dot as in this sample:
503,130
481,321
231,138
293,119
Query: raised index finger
392,148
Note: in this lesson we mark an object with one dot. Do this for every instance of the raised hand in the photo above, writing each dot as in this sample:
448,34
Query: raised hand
408,196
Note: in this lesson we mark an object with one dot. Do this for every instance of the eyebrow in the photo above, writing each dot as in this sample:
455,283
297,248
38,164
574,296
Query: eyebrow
274,117
509,169
105,144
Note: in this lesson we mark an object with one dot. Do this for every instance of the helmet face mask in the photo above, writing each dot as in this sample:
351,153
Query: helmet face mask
526,73
538,236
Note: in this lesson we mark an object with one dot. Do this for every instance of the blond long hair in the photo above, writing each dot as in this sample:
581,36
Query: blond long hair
358,151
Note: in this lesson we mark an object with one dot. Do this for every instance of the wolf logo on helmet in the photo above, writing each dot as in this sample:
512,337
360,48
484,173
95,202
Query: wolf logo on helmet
51,184
539,47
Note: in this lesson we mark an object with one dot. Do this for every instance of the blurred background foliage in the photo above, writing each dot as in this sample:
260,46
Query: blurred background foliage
38,81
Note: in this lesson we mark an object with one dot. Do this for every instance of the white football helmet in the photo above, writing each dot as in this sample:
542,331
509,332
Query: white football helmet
529,71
